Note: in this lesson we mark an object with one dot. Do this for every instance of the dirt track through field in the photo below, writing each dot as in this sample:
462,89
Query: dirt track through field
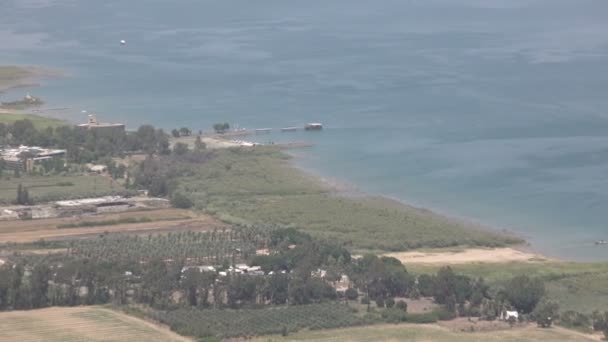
34,230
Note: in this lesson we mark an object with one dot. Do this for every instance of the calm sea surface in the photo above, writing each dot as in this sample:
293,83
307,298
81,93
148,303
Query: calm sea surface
491,110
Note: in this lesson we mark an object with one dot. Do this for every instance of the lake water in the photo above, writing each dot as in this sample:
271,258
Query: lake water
490,110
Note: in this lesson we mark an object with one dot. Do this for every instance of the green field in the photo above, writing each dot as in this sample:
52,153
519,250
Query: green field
78,324
40,122
575,286
57,187
409,332
260,186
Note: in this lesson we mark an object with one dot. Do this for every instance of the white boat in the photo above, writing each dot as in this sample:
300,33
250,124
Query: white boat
315,126
123,42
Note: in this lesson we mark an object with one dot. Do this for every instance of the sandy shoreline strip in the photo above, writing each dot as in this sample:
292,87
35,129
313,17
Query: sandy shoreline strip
467,256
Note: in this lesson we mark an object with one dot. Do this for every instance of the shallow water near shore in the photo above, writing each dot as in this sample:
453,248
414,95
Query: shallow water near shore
490,110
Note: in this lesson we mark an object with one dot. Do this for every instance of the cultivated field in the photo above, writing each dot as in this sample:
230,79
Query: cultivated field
157,221
79,324
57,187
435,333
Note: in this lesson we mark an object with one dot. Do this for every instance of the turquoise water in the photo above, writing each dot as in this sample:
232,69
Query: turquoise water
490,110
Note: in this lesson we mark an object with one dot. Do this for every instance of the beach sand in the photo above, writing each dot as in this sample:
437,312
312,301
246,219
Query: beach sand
472,255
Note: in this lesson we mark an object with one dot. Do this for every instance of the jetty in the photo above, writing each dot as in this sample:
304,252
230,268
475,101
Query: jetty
296,144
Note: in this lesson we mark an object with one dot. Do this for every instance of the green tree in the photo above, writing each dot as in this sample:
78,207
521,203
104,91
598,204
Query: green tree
185,131
545,313
39,284
23,195
179,200
221,127
175,133
180,149
199,144
401,305
351,294
524,292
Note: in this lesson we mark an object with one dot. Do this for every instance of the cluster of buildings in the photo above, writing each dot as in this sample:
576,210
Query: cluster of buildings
341,285
241,269
25,157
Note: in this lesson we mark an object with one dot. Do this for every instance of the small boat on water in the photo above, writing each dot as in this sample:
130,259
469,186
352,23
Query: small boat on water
263,130
289,129
601,242
315,126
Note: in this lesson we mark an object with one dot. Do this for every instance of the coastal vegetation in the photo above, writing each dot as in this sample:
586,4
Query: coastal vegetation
16,76
260,186
296,234
39,122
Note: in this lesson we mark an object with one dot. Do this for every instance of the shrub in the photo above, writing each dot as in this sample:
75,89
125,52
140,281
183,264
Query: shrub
379,302
423,318
545,312
401,305
394,316
575,320
365,300
524,293
179,200
351,294
390,302
444,315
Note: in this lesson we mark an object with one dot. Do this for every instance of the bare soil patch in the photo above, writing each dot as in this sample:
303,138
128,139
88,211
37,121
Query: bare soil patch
473,255
33,230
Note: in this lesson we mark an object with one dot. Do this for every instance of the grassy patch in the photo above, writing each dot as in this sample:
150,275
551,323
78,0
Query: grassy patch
57,187
409,332
78,324
259,186
40,122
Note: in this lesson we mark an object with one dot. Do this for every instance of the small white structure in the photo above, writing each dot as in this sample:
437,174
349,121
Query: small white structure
507,315
98,168
123,42
200,268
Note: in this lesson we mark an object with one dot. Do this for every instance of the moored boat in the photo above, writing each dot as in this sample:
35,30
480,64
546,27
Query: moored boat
315,126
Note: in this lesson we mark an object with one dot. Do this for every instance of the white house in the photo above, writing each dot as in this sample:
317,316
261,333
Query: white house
507,315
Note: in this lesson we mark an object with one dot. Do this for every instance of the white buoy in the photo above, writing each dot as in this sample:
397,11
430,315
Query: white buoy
123,42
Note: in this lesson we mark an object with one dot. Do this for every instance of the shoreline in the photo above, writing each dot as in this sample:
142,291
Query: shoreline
24,76
347,189
336,186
